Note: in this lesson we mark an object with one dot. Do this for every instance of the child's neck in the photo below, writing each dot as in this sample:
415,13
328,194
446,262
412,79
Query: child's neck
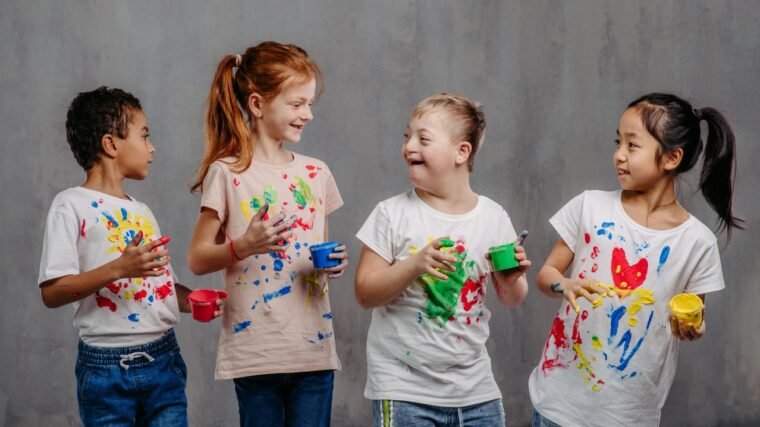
454,197
106,179
656,207
268,150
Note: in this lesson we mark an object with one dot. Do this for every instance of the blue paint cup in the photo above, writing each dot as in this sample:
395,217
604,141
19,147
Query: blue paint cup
320,255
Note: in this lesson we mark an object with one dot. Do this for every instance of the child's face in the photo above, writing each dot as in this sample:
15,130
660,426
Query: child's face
429,151
635,157
135,152
284,117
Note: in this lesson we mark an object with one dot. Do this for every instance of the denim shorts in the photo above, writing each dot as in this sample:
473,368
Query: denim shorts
393,413
132,386
541,421
299,399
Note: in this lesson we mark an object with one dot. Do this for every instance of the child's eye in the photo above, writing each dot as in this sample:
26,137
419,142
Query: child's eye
617,142
297,104
632,145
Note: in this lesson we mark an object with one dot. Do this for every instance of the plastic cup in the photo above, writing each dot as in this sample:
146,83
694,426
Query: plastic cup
203,303
503,257
687,308
320,255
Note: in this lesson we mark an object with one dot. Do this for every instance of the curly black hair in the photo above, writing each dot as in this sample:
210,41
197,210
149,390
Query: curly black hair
94,114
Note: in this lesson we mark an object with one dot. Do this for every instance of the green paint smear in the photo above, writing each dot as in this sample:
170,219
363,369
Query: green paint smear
302,193
270,194
255,203
443,295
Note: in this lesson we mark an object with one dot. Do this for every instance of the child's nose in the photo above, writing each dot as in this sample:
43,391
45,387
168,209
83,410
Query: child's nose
307,115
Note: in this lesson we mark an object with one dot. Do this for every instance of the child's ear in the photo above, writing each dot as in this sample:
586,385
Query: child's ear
255,104
108,142
464,149
672,159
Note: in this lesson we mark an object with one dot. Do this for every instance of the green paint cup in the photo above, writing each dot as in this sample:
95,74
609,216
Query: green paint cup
503,257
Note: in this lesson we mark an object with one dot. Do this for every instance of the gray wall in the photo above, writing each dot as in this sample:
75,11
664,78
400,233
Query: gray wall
553,76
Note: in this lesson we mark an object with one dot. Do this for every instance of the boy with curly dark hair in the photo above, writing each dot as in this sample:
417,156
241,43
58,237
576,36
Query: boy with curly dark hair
104,254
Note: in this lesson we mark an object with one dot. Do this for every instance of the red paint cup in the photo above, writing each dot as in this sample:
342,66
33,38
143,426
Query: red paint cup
203,303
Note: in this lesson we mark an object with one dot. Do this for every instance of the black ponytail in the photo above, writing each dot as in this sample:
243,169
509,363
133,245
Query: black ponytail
675,124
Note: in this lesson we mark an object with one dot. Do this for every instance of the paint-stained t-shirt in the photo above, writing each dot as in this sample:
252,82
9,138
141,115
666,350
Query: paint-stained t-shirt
428,344
277,318
612,364
86,229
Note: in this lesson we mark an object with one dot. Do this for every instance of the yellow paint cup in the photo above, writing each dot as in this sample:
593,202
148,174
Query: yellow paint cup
687,308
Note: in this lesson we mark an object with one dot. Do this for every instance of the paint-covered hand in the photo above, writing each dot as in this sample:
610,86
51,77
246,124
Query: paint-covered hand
142,260
686,330
264,236
571,289
337,271
430,260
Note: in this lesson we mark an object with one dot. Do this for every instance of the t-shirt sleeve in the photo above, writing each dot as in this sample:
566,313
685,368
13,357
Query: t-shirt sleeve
377,233
59,247
214,194
568,219
708,273
507,233
333,200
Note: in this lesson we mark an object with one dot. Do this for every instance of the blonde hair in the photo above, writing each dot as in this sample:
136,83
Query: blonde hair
467,122
266,69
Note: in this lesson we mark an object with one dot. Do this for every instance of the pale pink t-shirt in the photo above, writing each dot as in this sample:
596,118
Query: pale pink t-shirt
277,318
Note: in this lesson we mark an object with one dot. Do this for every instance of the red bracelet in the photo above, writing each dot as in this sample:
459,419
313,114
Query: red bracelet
232,251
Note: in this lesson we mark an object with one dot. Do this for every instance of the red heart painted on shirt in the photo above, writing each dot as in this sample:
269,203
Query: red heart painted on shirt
627,277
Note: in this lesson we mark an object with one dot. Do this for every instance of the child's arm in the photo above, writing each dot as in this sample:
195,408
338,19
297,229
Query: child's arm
136,261
511,285
378,282
182,293
206,256
687,331
552,282
341,254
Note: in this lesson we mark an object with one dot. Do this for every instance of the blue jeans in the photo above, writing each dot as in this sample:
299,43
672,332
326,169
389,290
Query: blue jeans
132,386
295,399
396,413
540,421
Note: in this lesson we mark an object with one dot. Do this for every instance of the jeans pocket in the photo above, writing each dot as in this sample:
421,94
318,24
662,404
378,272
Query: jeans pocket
178,364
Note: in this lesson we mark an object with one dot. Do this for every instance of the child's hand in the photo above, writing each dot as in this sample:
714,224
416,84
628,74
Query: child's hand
570,289
219,306
430,260
511,275
142,261
686,330
263,237
337,271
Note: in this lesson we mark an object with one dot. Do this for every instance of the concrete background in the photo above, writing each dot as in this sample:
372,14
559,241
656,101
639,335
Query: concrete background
553,77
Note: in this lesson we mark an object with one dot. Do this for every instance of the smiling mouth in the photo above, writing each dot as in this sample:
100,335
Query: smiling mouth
622,172
415,162
299,127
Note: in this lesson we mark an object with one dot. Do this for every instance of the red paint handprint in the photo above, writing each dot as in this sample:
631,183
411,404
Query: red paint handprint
627,277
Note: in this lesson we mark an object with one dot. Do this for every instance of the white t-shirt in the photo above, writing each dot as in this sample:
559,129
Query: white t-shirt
613,365
428,344
86,229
